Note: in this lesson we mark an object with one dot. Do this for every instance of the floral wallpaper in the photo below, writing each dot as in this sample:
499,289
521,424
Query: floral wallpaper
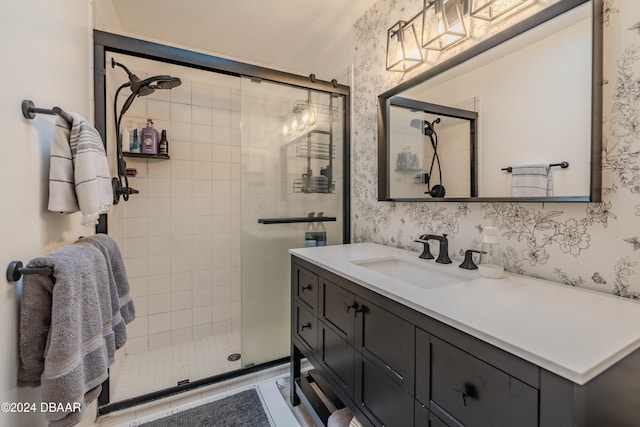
589,245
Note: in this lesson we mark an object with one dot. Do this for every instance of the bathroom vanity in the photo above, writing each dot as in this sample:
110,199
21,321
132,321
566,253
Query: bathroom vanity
403,341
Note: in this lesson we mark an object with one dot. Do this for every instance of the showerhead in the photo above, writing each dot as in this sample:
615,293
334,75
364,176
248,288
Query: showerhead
144,87
169,84
428,127
425,126
417,123
149,85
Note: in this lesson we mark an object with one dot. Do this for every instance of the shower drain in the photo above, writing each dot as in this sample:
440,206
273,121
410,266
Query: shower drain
233,357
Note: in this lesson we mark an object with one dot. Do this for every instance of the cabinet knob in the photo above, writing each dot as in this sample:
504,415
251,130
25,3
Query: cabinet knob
306,288
306,325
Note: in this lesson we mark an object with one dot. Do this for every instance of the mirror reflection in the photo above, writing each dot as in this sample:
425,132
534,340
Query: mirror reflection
532,96
433,149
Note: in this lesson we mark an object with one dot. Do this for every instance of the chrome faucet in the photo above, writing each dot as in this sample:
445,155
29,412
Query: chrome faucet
443,255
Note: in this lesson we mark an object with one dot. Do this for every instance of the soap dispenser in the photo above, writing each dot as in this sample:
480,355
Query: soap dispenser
491,264
149,139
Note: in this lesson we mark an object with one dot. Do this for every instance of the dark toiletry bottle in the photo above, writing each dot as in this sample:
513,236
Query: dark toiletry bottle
163,145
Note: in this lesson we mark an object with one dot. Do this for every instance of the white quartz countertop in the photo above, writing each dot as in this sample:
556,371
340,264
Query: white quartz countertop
572,332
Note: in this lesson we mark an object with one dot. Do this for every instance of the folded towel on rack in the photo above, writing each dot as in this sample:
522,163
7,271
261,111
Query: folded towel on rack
531,181
62,192
66,341
123,310
79,177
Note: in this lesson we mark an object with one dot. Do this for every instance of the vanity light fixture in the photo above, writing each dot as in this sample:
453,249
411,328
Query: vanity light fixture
491,9
403,47
443,24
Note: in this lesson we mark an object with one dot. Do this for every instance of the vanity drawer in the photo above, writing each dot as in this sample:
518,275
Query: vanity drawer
477,394
338,309
306,327
306,287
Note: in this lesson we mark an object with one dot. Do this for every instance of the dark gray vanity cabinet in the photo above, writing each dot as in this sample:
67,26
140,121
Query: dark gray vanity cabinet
393,366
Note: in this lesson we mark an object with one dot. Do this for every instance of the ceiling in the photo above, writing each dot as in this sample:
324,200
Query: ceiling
291,35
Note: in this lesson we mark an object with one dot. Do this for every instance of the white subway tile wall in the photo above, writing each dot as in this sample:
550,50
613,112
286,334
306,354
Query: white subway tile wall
179,238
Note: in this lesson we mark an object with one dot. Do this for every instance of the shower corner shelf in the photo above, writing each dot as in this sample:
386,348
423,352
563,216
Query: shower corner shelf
146,156
300,187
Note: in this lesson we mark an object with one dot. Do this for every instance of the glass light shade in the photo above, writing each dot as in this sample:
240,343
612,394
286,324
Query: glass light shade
443,24
491,9
403,48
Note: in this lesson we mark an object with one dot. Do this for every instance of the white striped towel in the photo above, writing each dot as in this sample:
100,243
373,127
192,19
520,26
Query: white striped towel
62,193
531,181
79,177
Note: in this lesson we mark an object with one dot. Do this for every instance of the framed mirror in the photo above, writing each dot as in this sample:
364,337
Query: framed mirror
516,117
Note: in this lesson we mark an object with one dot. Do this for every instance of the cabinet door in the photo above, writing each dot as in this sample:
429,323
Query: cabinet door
338,309
384,370
386,339
380,395
336,358
477,394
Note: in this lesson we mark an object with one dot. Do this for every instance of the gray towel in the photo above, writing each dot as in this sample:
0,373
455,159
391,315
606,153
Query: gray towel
66,336
123,310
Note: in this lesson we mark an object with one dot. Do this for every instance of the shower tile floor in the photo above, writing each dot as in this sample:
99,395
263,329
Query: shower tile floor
162,368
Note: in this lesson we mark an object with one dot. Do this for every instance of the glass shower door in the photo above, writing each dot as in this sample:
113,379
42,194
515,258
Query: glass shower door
291,167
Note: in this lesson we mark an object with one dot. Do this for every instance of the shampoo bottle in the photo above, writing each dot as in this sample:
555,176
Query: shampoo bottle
310,233
135,143
150,139
321,232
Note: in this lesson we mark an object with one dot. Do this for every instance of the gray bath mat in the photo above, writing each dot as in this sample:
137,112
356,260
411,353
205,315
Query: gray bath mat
239,410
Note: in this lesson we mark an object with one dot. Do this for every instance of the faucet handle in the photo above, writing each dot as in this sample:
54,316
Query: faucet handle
468,263
426,253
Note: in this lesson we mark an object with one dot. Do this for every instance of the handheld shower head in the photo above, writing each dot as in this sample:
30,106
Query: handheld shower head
149,85
428,127
425,126
169,84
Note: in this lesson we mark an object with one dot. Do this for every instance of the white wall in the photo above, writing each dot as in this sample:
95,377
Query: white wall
46,51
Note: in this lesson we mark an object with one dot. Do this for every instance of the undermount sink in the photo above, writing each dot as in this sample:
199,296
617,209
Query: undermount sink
409,271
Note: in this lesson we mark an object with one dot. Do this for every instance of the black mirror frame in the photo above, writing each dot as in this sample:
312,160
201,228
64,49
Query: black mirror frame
595,186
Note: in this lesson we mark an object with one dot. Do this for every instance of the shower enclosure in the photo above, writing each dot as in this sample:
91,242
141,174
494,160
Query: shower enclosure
252,153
